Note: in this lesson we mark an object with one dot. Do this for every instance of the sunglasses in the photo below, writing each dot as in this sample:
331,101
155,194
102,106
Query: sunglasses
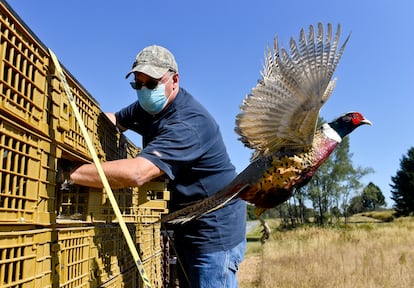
151,84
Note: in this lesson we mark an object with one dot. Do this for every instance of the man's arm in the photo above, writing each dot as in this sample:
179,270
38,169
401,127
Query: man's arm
120,173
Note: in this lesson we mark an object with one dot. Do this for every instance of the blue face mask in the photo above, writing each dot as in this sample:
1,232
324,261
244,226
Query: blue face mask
152,101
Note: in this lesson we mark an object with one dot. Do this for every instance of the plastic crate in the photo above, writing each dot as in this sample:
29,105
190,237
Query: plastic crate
65,127
23,74
25,258
98,256
154,196
72,257
27,176
110,251
37,128
72,204
109,139
100,208
148,238
114,144
112,260
131,151
154,190
153,268
145,204
92,205
131,279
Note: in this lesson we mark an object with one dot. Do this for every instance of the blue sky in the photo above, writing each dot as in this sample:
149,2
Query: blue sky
219,46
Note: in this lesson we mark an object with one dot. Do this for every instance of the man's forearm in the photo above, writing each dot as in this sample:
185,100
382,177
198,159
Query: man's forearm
120,173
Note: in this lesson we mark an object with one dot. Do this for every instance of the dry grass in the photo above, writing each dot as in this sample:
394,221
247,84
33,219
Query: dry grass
358,255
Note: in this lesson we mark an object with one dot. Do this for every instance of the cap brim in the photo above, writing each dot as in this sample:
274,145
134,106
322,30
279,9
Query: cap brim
152,71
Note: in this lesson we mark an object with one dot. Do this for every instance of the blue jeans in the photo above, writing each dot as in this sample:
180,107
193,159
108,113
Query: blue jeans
211,270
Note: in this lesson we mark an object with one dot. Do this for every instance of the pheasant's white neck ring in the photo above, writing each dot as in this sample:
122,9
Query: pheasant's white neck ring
331,133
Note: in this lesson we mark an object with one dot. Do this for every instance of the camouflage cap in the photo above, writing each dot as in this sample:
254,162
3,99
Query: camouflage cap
154,61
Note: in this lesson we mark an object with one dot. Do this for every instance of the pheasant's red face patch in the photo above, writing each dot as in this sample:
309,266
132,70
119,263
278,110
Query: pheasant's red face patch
357,118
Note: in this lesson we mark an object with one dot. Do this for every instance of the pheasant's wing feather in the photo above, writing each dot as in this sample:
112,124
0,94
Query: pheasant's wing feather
283,109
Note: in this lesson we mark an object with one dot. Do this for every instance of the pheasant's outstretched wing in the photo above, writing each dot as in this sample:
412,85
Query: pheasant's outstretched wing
283,109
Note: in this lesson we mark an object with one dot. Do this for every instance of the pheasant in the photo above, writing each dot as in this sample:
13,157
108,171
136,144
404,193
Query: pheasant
278,120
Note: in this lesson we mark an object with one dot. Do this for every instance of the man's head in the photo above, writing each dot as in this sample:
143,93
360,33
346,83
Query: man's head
156,78
154,61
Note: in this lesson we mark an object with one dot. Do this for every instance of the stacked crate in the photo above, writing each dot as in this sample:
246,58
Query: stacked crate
51,237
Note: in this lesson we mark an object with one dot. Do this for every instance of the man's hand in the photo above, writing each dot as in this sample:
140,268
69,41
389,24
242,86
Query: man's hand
65,168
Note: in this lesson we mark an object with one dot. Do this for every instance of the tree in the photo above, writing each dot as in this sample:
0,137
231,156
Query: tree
372,197
403,185
355,205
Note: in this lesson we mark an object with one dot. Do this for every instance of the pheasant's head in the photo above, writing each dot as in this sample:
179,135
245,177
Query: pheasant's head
348,122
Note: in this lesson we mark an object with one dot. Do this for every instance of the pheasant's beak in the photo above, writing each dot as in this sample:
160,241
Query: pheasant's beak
366,121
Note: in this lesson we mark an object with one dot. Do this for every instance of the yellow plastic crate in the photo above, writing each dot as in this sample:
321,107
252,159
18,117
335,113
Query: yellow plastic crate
111,258
72,257
23,74
154,190
153,268
64,125
72,204
83,248
27,176
110,252
131,151
131,278
100,209
153,197
143,205
25,258
148,238
116,281
92,205
108,139
113,144
98,256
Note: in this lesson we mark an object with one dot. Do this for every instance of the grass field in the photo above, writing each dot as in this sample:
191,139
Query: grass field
364,253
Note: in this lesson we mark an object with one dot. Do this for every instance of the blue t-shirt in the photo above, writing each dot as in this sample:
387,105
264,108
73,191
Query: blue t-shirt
185,142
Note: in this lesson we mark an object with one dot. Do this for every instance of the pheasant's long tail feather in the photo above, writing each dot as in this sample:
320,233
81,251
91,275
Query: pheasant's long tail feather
203,207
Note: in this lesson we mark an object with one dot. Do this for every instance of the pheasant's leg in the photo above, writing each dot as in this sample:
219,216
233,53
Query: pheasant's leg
258,211
265,231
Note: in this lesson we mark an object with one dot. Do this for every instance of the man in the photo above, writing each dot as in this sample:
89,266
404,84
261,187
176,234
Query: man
183,141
